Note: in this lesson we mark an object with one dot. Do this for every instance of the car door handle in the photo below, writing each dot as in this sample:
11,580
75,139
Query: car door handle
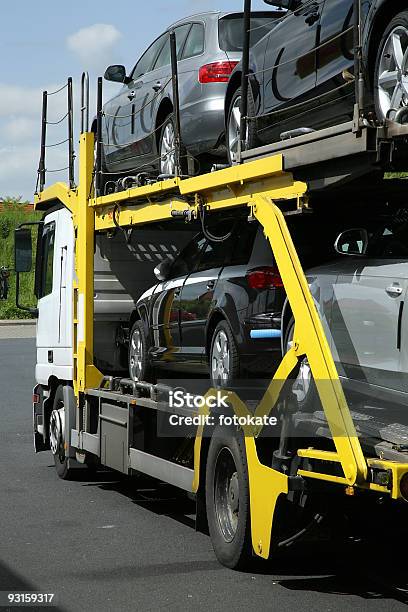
211,284
394,290
312,18
132,95
157,86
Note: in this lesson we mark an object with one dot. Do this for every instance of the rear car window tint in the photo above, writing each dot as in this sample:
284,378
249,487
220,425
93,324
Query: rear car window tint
186,262
195,41
262,252
242,243
231,30
213,256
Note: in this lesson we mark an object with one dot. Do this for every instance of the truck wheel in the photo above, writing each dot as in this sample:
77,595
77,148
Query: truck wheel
140,368
58,443
227,498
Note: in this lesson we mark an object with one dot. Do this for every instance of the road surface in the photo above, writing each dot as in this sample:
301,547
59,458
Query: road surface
104,545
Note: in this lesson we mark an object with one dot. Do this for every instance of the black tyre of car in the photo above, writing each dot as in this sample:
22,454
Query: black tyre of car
140,368
233,128
224,356
307,395
227,498
166,146
57,438
399,25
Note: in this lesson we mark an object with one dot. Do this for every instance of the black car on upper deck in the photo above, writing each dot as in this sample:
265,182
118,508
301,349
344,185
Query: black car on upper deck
301,72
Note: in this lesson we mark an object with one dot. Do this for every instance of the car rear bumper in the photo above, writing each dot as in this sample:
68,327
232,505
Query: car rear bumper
261,347
202,124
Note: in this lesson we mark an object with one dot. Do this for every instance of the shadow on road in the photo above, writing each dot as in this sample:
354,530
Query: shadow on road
324,567
158,497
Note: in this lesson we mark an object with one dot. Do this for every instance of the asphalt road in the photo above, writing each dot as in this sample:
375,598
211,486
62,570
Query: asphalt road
104,545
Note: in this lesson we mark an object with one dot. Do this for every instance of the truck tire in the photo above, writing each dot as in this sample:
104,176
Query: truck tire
227,498
58,444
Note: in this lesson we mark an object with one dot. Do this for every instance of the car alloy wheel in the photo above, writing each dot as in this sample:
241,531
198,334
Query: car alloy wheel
167,150
392,74
226,494
234,128
136,354
220,358
303,381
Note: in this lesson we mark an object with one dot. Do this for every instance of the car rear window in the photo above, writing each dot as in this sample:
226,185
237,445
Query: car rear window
195,41
230,30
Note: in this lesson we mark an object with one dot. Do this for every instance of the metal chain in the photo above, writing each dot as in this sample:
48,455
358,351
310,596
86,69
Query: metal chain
57,122
52,93
56,144
140,109
294,59
128,144
137,168
276,112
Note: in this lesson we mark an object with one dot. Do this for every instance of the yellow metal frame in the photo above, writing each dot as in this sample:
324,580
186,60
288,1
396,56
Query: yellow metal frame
260,185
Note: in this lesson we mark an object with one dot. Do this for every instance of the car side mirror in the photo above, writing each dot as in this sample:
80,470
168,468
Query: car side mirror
116,73
23,251
352,242
162,270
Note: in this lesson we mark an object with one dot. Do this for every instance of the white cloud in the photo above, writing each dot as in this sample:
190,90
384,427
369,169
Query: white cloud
17,100
21,129
94,45
18,169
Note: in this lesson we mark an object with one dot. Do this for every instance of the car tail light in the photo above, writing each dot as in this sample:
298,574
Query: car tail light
36,398
264,278
218,72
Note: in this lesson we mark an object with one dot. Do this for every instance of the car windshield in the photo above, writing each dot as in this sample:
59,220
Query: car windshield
230,30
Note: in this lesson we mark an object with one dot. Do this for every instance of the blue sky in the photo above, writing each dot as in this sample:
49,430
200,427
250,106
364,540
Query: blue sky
43,42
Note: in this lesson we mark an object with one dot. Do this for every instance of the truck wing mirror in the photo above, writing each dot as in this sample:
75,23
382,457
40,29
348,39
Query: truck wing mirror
23,256
352,242
23,250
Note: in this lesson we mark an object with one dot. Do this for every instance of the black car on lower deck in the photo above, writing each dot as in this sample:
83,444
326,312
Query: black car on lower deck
216,308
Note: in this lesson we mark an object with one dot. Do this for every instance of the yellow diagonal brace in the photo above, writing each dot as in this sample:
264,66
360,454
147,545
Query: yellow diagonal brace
309,334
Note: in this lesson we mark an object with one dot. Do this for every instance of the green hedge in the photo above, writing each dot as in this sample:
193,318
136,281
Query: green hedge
11,216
